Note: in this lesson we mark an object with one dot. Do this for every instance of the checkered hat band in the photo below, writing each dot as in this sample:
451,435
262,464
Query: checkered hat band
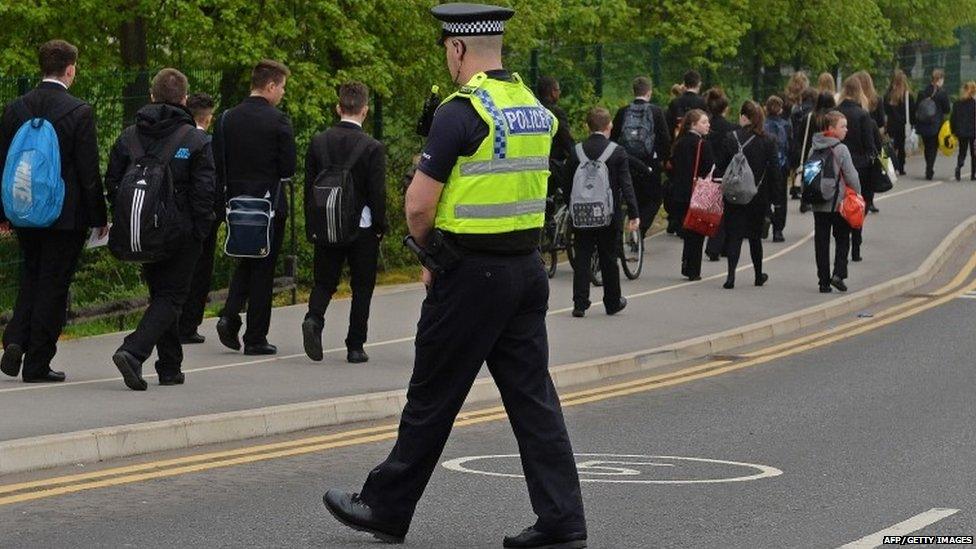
475,28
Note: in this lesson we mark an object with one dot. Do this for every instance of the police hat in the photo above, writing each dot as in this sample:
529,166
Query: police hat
459,19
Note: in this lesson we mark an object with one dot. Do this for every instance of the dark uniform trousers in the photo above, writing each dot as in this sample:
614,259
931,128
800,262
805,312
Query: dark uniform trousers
169,283
253,284
196,299
489,309
607,244
362,256
50,259
823,224
691,252
867,191
780,200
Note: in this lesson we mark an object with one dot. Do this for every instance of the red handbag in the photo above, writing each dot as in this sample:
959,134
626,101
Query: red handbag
852,206
707,206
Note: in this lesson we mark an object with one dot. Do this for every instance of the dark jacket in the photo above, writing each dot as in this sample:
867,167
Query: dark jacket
254,148
682,104
746,220
562,142
943,107
801,133
368,173
618,166
662,134
192,166
862,139
896,117
718,137
878,114
84,199
963,120
683,162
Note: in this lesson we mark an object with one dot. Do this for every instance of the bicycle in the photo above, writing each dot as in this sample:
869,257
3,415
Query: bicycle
631,256
557,235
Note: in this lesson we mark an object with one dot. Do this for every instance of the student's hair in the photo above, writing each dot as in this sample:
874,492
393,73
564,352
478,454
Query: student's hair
774,105
353,96
757,119
899,87
692,79
266,72
690,119
809,95
825,104
795,87
545,86
200,104
716,101
867,86
598,119
968,91
55,56
826,83
676,90
937,74
853,91
169,86
831,119
642,86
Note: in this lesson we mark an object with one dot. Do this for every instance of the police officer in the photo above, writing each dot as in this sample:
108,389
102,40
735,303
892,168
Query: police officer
477,204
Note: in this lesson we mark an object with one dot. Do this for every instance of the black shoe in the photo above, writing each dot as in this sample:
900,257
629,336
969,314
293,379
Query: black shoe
778,236
312,338
356,356
618,308
838,283
50,377
825,289
694,278
762,279
352,511
175,379
530,537
729,283
13,356
131,370
192,339
873,209
856,257
958,174
579,313
804,207
260,349
712,257
929,176
227,331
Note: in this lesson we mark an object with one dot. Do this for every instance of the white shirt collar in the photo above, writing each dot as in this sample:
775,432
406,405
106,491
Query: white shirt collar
201,128
351,121
55,81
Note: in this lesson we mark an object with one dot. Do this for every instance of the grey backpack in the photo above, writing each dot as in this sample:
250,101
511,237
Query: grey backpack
739,183
591,200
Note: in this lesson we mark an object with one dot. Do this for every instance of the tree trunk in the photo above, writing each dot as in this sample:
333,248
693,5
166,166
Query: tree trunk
135,60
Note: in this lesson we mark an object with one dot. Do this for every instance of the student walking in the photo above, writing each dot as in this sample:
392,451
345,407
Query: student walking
862,141
963,123
689,99
838,172
933,105
691,158
51,249
591,157
345,148
718,137
778,128
165,131
899,106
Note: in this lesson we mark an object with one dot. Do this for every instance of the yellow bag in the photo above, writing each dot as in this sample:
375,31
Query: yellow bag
947,141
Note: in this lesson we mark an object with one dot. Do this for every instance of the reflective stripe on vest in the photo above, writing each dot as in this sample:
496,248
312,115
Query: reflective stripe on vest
506,165
495,211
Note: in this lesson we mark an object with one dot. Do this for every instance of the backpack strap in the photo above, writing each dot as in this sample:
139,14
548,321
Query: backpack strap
353,157
136,150
742,146
23,111
580,154
806,134
611,146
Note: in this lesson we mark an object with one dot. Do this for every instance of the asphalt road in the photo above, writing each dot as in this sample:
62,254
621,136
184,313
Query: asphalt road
847,440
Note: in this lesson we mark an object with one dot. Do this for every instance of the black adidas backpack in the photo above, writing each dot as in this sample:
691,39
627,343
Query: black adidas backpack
331,217
147,225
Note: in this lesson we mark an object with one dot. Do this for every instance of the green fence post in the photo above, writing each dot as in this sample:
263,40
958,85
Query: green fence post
656,63
378,118
534,67
598,78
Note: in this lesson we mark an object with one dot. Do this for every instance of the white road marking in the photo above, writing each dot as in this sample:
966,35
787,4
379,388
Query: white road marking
601,467
797,244
902,528
968,295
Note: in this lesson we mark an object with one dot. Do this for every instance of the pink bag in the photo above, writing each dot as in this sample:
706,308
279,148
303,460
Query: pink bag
707,205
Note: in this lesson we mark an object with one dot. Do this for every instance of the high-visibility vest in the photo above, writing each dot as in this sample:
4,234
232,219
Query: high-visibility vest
501,188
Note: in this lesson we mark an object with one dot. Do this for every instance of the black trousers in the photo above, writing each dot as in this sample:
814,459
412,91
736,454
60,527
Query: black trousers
50,259
823,224
867,191
715,246
733,248
607,244
648,209
899,137
967,144
253,285
780,200
362,255
490,309
196,299
169,283
691,252
930,144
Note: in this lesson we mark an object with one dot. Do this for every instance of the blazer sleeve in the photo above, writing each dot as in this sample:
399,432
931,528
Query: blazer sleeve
622,167
217,151
287,153
849,172
563,140
86,166
376,185
707,159
618,122
118,160
202,176
662,139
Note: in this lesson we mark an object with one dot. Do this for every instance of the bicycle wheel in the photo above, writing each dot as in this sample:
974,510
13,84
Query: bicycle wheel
632,254
548,249
596,275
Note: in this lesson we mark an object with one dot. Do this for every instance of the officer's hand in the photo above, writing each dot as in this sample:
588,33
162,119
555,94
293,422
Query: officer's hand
426,276
633,224
5,227
102,231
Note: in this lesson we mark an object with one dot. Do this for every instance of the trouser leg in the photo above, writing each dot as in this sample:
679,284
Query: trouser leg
691,255
17,330
733,249
518,363
363,257
608,248
716,244
931,146
327,262
842,240
196,299
822,224
756,252
648,211
584,243
261,290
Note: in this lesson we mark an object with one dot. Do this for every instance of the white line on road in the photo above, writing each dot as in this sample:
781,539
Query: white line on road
903,528
968,295
786,250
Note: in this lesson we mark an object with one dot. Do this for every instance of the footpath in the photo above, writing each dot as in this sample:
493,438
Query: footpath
228,396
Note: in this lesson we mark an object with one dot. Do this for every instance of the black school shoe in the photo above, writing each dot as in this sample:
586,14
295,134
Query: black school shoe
228,330
13,356
352,511
312,338
621,306
530,537
838,282
175,379
131,370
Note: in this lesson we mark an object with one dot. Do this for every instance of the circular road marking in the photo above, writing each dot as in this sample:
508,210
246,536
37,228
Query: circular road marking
622,468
